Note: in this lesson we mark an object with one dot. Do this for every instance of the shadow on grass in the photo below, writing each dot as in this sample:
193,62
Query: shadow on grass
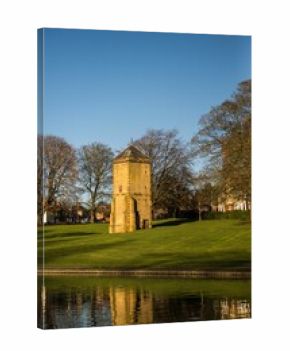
51,254
230,260
170,222
243,222
69,235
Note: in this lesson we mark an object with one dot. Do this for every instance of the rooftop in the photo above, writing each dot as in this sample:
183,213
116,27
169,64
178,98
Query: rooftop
132,153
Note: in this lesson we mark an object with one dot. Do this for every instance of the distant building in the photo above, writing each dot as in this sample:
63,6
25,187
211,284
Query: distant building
160,213
233,308
232,204
64,214
48,217
131,207
103,212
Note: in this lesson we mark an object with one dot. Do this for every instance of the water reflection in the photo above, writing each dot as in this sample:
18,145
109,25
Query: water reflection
70,303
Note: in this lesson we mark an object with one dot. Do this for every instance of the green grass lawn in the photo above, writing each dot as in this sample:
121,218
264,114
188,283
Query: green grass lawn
171,244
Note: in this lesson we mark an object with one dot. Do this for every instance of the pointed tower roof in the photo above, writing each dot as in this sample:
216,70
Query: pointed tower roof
132,154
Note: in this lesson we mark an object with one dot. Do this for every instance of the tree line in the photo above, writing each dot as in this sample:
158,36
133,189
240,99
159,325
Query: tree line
66,174
224,141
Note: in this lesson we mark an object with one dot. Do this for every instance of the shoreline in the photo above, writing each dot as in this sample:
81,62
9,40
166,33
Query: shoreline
145,273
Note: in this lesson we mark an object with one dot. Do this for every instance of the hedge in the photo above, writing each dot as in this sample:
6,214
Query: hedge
237,214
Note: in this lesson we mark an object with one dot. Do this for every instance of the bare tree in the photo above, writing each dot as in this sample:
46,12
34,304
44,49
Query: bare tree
205,193
170,165
59,170
179,192
95,167
40,194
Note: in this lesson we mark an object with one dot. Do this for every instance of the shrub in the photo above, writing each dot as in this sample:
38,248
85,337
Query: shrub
238,214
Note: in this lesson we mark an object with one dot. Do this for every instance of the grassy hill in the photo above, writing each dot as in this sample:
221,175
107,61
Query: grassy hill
171,244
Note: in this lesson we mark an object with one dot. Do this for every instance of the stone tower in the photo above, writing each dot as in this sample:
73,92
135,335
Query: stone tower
131,207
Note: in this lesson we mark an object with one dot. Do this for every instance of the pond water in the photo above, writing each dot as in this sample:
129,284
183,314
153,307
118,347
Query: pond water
74,302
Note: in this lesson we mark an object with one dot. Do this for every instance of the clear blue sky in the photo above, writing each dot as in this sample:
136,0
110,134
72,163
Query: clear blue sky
111,86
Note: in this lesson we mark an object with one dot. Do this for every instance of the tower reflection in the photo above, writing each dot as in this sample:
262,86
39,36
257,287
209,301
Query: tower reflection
130,306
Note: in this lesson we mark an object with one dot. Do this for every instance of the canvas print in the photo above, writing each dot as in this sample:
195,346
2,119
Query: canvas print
143,177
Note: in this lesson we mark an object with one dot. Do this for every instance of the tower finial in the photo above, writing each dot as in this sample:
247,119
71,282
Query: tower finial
131,141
